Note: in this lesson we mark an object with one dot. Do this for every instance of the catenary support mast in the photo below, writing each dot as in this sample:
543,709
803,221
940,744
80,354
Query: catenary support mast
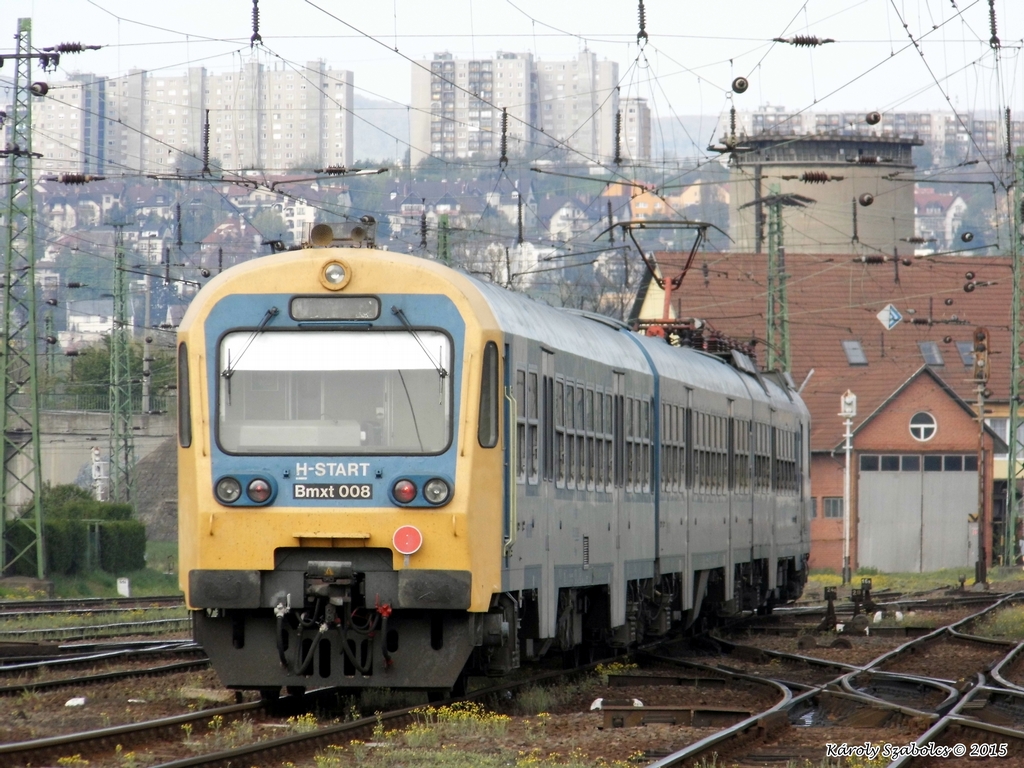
21,482
1016,453
122,442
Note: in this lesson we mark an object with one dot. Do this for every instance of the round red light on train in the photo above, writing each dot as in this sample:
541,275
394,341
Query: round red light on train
407,539
404,491
259,490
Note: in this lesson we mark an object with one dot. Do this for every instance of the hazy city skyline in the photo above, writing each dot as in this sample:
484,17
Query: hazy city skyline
684,68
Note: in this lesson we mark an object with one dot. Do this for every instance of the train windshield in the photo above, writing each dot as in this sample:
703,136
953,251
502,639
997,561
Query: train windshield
319,392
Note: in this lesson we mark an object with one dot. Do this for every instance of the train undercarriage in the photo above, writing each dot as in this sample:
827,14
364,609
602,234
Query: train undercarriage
353,628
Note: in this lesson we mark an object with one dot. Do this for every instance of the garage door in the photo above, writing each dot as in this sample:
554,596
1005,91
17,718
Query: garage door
913,511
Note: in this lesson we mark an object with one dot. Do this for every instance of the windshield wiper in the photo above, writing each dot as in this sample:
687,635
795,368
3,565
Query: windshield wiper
408,326
230,368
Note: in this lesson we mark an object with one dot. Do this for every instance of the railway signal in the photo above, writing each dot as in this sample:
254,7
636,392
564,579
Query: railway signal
981,355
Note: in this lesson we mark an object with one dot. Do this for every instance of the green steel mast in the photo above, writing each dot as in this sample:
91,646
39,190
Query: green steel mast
22,474
777,316
1013,471
122,443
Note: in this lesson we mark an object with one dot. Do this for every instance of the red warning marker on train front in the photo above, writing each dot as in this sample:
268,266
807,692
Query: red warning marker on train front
407,539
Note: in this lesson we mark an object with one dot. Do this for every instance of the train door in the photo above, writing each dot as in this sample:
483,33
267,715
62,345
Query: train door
511,453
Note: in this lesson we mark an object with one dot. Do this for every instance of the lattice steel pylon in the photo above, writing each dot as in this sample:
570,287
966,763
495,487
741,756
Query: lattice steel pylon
777,315
21,481
122,442
1016,453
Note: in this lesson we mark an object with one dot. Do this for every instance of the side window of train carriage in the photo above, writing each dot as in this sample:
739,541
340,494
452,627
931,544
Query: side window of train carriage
741,456
560,433
487,429
521,425
581,439
589,406
532,422
184,402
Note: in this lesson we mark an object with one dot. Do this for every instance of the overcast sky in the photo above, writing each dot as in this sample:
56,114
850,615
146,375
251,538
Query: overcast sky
693,52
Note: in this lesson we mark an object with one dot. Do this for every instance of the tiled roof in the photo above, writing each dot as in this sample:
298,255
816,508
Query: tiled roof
834,299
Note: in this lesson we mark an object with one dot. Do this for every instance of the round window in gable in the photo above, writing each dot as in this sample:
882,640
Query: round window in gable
922,426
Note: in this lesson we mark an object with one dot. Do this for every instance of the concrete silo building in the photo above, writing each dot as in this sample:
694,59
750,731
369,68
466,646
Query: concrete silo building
838,221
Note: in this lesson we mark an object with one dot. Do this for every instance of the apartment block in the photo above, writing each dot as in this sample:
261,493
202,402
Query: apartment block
636,129
259,117
457,106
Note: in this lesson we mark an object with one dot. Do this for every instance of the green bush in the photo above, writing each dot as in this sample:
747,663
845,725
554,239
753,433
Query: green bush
66,510
65,546
122,546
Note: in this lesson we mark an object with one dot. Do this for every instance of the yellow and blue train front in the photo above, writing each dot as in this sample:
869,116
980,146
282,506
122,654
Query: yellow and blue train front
340,489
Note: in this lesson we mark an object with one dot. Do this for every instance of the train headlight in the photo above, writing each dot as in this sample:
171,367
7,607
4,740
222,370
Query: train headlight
228,490
436,491
335,275
404,491
258,490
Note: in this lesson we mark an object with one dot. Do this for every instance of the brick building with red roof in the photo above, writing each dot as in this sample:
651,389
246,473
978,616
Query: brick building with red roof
914,473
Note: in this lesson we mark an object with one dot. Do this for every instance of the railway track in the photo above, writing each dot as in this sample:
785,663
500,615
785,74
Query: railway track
85,632
9,608
950,686
139,663
933,690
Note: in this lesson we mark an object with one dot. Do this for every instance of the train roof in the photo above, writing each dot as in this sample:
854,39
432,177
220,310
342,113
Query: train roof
710,373
562,331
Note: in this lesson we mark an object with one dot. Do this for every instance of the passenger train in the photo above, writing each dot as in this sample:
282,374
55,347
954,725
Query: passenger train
392,474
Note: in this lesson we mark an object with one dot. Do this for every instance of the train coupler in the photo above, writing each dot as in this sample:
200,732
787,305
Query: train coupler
329,580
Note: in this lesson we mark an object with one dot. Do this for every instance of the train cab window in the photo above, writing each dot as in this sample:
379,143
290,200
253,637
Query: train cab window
184,401
487,429
324,392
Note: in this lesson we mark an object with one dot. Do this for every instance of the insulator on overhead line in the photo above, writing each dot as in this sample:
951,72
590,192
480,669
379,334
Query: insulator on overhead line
866,199
805,41
968,275
967,237
740,85
873,118
1009,136
39,89
994,40
255,24
503,160
818,177
71,48
642,15
618,139
206,145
